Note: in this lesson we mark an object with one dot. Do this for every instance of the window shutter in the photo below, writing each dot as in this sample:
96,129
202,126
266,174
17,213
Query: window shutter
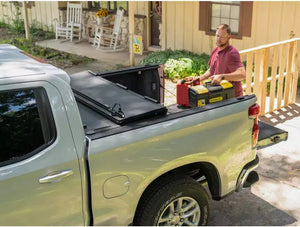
246,18
204,15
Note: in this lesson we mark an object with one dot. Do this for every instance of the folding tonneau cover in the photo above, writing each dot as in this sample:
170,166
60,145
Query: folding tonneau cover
112,100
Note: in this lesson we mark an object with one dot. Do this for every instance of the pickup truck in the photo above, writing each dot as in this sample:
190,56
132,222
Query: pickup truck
65,159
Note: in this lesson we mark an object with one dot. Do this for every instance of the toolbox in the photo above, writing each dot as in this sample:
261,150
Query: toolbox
201,95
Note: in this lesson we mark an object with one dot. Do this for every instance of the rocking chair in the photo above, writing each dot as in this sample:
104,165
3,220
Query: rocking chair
108,38
72,27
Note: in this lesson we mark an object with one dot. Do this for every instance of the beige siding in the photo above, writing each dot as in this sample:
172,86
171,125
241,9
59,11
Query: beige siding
188,24
43,13
170,27
141,8
271,22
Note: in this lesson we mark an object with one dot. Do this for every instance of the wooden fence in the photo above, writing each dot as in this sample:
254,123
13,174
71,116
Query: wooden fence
272,74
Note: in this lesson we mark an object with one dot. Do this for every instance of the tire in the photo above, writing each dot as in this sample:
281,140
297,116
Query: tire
174,202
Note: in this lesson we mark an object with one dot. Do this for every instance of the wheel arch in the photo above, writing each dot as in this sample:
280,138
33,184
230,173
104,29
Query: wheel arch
194,170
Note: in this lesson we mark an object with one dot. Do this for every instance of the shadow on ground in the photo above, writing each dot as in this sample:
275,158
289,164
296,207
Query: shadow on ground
282,115
245,208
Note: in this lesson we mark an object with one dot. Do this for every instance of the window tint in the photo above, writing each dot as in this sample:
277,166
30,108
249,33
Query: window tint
22,128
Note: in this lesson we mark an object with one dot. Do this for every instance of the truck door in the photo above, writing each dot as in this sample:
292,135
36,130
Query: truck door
269,135
39,172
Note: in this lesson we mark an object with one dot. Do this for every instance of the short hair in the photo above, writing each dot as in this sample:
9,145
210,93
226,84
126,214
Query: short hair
225,27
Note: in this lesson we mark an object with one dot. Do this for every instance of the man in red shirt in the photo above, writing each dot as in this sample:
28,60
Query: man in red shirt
225,62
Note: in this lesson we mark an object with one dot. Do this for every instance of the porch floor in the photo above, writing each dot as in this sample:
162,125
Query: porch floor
104,60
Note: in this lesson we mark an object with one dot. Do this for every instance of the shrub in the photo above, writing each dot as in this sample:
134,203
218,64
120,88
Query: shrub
179,63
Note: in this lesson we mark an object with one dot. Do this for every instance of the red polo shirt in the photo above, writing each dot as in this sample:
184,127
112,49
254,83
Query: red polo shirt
226,61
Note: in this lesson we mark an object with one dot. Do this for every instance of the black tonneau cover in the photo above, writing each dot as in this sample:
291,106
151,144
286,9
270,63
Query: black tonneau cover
114,101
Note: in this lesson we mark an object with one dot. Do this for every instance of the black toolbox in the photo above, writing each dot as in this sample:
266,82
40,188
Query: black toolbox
202,95
113,100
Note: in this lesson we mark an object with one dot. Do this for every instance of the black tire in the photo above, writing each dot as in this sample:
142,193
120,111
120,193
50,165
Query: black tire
169,195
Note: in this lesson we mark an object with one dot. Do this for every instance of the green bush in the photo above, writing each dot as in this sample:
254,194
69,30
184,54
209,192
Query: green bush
3,24
179,63
39,34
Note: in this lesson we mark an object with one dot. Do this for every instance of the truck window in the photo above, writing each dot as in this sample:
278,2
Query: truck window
26,124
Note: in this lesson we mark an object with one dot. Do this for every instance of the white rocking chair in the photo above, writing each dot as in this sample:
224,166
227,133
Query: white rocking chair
72,27
108,38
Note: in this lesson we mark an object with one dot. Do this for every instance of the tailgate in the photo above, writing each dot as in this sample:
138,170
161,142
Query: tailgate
269,135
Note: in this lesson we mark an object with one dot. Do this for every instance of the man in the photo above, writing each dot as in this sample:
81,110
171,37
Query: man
225,62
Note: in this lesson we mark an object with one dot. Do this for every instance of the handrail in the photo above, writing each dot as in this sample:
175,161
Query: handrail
269,45
281,58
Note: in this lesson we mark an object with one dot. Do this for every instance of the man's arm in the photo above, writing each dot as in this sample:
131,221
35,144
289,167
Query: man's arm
237,75
206,75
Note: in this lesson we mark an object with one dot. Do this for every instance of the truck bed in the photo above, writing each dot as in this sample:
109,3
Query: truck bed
98,126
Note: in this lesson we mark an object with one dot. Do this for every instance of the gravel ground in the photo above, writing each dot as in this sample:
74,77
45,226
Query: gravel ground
170,92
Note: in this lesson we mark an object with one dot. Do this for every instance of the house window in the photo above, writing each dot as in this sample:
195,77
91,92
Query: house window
236,14
111,6
225,13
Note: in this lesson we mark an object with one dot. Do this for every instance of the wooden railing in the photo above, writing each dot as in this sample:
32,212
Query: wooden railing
275,88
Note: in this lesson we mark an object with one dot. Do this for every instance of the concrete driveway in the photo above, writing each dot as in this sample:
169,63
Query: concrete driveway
275,199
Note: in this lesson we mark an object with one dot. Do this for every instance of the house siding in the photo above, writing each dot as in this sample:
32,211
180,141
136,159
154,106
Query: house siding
271,22
42,13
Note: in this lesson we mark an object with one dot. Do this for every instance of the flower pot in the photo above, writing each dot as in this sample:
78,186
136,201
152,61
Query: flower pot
99,20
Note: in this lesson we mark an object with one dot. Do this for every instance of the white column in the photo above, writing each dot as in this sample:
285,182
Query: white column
26,24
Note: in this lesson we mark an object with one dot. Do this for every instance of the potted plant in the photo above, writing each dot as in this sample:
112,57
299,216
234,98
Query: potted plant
100,15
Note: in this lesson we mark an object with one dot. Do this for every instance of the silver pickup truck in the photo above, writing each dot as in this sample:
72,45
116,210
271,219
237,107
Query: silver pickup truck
91,149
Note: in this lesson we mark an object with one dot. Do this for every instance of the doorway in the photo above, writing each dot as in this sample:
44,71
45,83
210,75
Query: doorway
155,15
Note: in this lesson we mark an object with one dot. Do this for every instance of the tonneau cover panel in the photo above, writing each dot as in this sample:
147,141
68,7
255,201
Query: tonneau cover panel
114,102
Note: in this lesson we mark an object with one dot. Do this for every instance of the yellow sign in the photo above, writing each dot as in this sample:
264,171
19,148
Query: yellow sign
137,44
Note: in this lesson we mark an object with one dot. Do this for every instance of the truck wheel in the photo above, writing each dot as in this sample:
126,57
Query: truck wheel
181,201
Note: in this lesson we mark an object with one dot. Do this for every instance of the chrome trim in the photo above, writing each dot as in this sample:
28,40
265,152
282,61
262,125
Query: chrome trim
243,177
55,176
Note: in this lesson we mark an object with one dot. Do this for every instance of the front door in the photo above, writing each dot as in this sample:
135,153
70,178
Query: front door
155,14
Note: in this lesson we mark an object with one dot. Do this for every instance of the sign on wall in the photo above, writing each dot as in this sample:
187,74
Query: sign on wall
137,44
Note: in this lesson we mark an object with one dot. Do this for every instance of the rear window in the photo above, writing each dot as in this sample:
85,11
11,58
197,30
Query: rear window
26,124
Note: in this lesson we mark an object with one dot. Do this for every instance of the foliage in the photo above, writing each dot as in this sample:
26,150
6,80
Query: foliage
179,63
39,34
18,23
55,57
3,24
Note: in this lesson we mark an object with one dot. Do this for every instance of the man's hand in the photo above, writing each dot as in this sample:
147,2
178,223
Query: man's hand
189,80
216,79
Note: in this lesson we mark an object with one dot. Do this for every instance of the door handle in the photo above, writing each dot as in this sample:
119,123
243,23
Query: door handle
55,176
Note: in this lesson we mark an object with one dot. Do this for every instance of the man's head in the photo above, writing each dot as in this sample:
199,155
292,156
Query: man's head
223,35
